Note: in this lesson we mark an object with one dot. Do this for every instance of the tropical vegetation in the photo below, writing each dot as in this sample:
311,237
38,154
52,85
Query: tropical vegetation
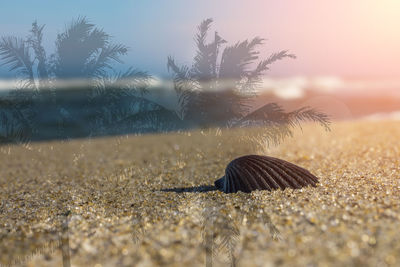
218,89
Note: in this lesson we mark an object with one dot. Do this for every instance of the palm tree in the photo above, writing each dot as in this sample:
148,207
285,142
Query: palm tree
218,89
82,52
16,53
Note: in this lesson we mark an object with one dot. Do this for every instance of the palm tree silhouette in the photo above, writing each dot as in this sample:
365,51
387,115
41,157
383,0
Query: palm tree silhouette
218,89
16,53
82,52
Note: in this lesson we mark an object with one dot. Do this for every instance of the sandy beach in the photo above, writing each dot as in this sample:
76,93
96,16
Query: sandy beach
138,200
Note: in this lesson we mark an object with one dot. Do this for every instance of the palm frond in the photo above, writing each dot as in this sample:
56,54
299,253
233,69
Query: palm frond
102,60
128,83
96,39
215,46
79,28
78,31
204,66
274,120
217,107
279,124
70,57
15,53
253,78
202,32
82,50
263,65
134,80
184,85
236,59
35,41
200,105
271,114
308,114
181,75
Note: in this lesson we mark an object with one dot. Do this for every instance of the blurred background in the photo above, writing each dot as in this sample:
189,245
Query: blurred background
346,65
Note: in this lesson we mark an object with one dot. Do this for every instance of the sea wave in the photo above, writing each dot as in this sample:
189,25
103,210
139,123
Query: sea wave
383,116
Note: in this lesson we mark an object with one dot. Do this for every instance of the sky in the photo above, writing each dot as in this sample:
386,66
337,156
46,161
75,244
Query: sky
356,38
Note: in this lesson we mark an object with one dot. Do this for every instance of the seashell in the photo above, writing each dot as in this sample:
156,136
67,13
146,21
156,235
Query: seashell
254,172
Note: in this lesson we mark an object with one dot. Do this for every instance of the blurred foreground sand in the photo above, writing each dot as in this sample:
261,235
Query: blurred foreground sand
119,217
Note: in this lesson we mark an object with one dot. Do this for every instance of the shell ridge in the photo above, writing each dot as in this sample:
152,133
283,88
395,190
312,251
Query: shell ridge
261,182
232,185
301,171
253,176
275,169
226,181
304,175
265,177
247,187
299,178
282,182
228,188
235,183
268,180
286,167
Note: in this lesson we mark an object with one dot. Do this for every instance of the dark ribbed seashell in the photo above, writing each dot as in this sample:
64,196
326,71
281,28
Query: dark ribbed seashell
255,172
